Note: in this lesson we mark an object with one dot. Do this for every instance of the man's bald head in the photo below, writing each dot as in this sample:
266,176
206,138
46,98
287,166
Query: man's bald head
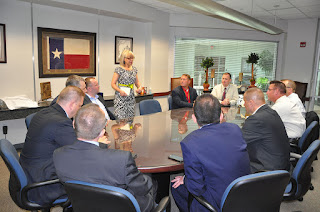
253,98
290,86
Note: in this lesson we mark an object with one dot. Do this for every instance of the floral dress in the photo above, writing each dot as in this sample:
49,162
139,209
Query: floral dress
124,106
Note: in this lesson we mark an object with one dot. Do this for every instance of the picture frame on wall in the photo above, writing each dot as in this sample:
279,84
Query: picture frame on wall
3,49
122,43
62,53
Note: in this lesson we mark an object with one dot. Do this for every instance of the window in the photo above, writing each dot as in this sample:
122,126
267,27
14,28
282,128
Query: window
229,56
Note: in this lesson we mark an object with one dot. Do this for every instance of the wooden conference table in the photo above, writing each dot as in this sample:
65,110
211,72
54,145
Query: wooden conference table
154,137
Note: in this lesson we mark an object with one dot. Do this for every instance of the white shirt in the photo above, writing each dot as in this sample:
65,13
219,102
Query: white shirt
231,93
295,99
96,101
291,117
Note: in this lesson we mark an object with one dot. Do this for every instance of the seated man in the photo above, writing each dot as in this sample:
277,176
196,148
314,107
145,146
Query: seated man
73,80
288,111
93,89
290,93
213,155
226,93
183,95
86,161
49,129
265,134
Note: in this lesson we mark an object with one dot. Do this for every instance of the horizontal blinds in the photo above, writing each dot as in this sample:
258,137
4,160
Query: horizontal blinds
229,56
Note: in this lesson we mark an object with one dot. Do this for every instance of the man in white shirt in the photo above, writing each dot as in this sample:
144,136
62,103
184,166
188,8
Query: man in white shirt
93,89
226,93
291,88
288,111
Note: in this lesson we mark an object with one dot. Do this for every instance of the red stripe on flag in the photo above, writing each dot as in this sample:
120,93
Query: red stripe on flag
76,61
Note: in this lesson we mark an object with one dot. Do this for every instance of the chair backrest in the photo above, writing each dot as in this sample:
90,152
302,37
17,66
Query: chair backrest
170,102
149,106
175,82
310,117
94,197
256,192
301,90
11,159
28,119
302,172
307,136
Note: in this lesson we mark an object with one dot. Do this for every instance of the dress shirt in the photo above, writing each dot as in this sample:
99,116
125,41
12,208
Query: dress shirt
96,101
91,142
295,99
291,117
231,93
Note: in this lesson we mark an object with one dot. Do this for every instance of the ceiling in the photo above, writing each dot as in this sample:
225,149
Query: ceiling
275,9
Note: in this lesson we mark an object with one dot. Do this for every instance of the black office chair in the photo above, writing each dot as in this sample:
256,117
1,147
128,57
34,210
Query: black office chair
170,102
18,186
306,139
28,119
261,192
300,181
86,197
149,106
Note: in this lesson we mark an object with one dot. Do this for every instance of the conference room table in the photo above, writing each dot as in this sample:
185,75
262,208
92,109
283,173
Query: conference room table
152,138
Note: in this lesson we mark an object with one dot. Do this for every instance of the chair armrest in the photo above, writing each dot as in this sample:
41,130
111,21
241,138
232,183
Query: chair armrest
163,204
205,203
292,191
295,148
25,190
295,155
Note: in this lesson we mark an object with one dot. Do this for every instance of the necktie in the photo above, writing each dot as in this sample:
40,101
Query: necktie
224,94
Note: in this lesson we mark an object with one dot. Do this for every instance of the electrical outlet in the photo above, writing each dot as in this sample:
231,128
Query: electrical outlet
5,130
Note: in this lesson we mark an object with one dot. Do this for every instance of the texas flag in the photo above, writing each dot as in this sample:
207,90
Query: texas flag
68,53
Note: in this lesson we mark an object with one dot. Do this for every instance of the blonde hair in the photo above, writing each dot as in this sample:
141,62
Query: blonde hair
126,54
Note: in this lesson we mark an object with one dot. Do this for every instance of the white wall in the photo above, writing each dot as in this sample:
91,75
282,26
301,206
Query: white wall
299,61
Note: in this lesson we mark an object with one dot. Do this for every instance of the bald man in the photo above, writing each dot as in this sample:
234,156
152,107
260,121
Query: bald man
265,134
290,93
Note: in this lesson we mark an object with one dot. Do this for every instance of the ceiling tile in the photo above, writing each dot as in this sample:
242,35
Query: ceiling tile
299,3
292,16
307,9
270,4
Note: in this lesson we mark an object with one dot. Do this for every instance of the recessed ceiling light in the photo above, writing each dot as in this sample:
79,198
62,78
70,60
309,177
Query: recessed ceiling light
276,6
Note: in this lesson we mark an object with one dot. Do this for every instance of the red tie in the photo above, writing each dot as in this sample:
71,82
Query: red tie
224,94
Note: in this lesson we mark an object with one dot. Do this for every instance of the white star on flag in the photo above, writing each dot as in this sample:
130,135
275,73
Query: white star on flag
56,54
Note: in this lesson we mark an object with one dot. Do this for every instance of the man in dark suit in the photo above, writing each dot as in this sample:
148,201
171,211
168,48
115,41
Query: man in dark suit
213,155
265,134
85,161
92,96
49,129
183,95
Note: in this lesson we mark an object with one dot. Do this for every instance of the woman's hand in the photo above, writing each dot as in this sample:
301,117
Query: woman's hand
122,93
139,90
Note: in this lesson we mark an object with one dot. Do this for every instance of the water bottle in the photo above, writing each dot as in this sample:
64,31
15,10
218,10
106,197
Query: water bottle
150,90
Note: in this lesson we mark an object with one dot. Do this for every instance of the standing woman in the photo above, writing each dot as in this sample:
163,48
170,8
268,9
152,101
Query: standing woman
126,75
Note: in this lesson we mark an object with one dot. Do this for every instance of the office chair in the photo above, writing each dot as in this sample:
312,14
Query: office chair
170,102
175,82
28,119
94,197
149,106
18,184
306,139
254,192
300,181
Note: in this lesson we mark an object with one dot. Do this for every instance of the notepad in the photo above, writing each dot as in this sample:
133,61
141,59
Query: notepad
126,90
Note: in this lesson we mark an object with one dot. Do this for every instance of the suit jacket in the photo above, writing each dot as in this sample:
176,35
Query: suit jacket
267,140
179,98
214,156
86,100
87,162
49,129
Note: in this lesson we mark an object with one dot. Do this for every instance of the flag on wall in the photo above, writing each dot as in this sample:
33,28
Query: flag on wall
68,53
